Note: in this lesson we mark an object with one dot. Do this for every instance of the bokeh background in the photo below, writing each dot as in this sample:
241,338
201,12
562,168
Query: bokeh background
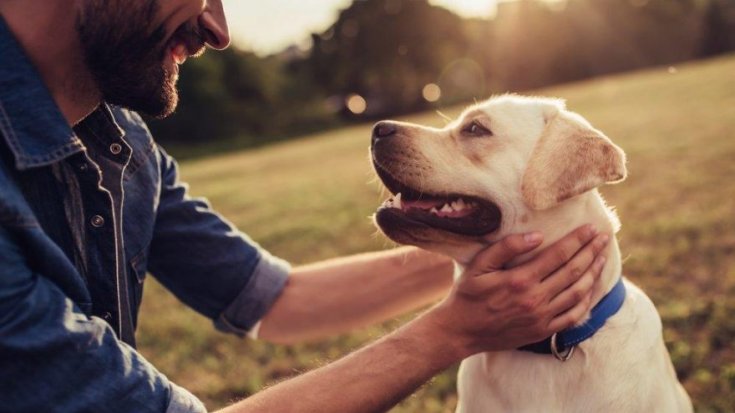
275,130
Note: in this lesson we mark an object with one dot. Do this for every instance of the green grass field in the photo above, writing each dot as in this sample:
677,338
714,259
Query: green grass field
310,199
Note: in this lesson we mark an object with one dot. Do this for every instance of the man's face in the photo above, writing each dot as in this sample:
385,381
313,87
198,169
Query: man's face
133,48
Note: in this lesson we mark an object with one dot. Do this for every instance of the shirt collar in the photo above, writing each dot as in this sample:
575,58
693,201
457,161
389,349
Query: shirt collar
30,121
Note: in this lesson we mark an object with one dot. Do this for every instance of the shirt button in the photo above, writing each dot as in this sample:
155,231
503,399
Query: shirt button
97,221
83,167
115,148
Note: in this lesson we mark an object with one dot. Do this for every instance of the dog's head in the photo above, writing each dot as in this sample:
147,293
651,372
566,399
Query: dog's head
502,163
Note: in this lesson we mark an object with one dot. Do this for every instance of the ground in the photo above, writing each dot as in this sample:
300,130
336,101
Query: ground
311,199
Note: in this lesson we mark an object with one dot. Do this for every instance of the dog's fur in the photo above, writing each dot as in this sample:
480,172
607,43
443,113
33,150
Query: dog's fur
541,165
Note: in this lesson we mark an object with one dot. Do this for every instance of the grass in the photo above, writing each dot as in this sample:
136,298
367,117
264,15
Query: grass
310,199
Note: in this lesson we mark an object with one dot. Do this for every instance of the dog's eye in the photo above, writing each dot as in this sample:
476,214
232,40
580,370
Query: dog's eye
476,129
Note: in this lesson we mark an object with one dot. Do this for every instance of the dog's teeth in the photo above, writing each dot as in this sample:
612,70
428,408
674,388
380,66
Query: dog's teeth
447,208
397,201
434,210
460,204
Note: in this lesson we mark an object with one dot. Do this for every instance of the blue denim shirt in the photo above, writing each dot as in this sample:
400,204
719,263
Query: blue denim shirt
85,214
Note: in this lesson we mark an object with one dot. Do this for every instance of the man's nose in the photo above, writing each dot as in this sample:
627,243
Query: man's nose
214,25
384,129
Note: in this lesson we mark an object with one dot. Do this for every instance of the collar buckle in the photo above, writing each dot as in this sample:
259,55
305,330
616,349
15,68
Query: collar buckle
563,355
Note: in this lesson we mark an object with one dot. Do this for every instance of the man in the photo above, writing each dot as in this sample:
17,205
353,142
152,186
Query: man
89,203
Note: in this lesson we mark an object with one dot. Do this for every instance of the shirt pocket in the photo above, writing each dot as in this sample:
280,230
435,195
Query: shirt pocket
138,269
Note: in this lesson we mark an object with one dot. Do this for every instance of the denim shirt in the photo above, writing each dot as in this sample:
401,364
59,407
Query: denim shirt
85,214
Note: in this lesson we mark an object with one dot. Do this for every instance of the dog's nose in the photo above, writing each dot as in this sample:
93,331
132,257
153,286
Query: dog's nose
384,129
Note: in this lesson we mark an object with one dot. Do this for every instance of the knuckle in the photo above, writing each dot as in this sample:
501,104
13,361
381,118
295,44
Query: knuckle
519,284
598,245
527,306
530,305
601,242
584,234
575,272
588,301
561,254
538,273
508,244
579,294
586,282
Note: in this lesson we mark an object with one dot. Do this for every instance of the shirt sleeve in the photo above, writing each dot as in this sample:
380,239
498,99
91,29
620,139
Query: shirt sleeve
56,359
207,263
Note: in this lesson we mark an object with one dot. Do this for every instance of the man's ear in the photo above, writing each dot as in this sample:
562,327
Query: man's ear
570,158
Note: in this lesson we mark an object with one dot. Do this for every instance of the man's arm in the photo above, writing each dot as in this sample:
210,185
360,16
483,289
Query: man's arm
488,310
335,296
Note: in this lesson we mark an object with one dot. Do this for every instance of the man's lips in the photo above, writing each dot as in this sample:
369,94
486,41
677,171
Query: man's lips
186,41
179,52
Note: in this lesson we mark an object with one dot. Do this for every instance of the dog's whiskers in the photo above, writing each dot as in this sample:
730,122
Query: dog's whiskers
447,119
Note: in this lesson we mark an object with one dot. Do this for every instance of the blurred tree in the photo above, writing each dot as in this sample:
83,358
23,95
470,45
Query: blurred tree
388,51
719,28
221,94
242,99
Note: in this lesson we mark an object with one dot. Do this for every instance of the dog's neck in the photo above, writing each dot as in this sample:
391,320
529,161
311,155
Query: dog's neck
557,222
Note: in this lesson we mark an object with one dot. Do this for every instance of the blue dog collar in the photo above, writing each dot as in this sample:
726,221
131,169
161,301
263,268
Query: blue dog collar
562,344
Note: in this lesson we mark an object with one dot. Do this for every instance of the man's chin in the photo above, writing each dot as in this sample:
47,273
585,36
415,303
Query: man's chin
158,104
164,109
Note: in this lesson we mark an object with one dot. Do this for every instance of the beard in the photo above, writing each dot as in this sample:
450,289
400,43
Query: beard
125,53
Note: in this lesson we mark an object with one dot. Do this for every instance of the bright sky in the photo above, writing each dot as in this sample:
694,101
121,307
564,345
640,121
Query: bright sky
268,26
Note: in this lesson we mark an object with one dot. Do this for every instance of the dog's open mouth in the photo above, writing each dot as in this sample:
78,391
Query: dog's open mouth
456,213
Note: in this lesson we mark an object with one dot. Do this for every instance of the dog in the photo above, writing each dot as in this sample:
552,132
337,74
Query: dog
516,164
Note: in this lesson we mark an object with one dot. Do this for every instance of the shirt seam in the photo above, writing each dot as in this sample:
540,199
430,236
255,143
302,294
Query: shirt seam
23,161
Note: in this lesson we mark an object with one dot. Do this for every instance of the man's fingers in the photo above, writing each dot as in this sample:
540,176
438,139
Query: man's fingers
560,252
572,316
572,296
497,255
578,266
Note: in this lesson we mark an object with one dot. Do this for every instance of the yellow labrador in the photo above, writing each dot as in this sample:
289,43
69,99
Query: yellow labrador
517,164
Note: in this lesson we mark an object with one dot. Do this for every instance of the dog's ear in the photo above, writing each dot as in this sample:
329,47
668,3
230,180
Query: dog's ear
571,157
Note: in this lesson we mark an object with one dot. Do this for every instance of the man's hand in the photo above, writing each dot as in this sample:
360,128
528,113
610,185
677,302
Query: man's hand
492,309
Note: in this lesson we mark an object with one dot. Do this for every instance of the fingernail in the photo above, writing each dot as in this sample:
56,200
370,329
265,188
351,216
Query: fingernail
533,237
